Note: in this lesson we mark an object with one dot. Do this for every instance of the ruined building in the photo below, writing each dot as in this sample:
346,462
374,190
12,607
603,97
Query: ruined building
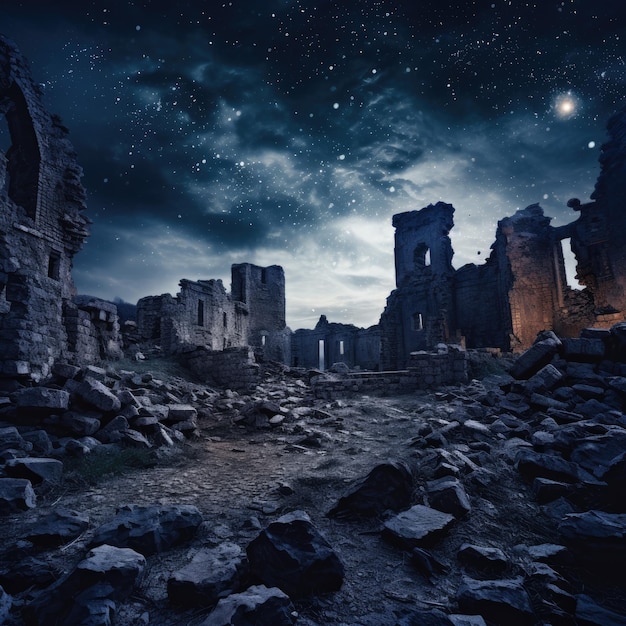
42,227
203,313
522,287
329,343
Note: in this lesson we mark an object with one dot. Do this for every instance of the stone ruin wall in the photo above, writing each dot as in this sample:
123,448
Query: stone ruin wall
42,227
329,343
426,370
210,328
522,288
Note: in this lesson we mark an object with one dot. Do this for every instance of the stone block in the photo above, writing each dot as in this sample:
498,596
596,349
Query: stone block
16,494
42,398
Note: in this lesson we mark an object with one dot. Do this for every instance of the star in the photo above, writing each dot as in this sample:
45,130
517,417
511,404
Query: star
565,105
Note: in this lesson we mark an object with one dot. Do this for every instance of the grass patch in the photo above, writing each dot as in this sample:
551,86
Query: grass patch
98,466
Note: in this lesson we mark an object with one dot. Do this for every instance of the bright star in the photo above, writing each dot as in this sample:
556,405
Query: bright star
565,105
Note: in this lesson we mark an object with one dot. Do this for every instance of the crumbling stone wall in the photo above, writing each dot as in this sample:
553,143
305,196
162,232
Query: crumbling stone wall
234,368
426,370
522,288
204,314
330,343
42,227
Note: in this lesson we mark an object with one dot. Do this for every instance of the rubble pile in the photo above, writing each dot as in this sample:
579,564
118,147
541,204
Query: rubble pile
501,501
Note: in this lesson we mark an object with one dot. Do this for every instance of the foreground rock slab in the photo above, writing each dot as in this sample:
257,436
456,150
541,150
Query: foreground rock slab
420,526
258,606
149,529
292,555
212,574
61,526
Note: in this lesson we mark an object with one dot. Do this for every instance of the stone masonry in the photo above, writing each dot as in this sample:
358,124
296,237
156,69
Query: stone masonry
42,227
522,288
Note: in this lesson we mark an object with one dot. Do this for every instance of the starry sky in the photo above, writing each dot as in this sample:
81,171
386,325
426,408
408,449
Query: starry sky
289,132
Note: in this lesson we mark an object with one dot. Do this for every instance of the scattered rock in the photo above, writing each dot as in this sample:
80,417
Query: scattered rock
292,555
420,526
36,470
149,529
16,494
258,606
60,526
448,495
388,486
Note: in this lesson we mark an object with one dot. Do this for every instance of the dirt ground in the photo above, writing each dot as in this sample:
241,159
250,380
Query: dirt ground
243,478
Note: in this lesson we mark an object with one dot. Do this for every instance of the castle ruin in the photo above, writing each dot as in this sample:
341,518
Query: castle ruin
42,227
522,288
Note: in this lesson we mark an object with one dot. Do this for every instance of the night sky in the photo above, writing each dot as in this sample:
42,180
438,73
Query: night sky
281,132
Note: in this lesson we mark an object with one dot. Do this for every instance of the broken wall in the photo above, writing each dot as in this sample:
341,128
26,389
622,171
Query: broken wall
42,227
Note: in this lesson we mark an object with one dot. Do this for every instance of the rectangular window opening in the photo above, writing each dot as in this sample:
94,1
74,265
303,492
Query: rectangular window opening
320,347
418,321
341,348
54,266
263,340
200,313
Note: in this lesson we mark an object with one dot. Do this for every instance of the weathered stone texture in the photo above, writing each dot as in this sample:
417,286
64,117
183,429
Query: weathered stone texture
522,287
203,314
42,227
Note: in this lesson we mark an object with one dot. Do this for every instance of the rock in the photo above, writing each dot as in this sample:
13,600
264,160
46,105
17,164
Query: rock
448,495
597,454
257,606
588,613
49,471
482,558
420,526
65,371
135,439
98,395
498,601
536,357
26,573
16,494
420,617
40,441
42,398
584,349
552,554
6,602
387,486
595,537
11,439
212,574
532,465
292,555
181,413
547,378
149,529
80,425
60,526
467,620
87,595
546,490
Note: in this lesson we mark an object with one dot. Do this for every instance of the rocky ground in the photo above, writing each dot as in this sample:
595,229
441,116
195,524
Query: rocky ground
496,502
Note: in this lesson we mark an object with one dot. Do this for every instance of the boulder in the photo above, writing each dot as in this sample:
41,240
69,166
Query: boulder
43,399
40,441
60,526
11,439
498,601
149,529
80,425
448,495
420,526
388,486
258,606
532,465
49,471
98,395
16,494
536,357
87,595
482,557
181,413
213,573
28,572
292,555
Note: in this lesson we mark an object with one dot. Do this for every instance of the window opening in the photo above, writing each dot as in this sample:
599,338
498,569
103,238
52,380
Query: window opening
418,321
200,313
263,340
225,317
341,348
263,275
320,347
54,266
569,258
427,258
